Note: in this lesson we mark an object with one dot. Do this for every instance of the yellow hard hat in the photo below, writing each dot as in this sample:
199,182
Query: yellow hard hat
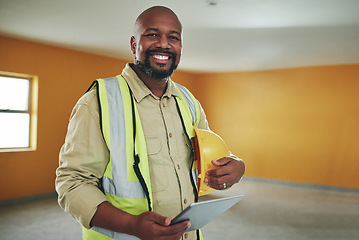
207,146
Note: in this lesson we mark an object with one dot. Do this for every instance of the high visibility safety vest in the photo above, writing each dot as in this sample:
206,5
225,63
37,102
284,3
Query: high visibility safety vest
126,180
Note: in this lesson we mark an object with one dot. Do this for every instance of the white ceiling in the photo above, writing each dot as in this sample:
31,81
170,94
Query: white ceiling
227,35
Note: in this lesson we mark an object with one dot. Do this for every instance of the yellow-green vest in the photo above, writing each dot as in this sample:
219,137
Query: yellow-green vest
126,180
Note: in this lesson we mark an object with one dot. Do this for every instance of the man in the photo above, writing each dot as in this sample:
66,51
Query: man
126,165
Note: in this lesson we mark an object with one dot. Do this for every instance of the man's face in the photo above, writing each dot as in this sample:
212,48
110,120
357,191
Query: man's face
157,44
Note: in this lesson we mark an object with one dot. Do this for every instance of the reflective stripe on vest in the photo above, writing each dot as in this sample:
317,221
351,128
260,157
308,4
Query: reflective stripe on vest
191,103
121,184
115,105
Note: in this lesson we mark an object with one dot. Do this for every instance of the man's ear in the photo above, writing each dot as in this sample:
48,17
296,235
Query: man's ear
133,44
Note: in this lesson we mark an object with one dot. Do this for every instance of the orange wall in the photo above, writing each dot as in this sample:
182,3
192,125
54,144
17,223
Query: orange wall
295,125
299,125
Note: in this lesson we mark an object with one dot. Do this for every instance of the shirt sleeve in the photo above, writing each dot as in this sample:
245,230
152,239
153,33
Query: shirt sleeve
82,162
203,123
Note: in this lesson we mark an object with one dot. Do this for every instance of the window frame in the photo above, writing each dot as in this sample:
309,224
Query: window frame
32,110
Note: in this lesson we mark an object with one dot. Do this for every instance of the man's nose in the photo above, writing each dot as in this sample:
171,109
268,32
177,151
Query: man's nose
162,42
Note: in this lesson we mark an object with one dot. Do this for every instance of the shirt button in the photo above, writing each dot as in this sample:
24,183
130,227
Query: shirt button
178,166
170,135
185,201
185,235
163,104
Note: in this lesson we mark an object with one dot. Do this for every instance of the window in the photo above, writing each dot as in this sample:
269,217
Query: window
18,111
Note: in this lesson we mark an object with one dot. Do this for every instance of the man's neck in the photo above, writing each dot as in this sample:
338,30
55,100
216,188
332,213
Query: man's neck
156,86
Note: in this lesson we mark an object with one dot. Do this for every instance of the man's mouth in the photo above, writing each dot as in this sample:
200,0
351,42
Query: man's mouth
161,57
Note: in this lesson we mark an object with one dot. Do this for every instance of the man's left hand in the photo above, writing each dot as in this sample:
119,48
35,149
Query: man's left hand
229,172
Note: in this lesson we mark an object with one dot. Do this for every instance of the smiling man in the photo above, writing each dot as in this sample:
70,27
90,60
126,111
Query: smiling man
126,167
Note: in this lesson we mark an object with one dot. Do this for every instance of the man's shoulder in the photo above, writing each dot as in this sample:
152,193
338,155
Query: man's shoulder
89,98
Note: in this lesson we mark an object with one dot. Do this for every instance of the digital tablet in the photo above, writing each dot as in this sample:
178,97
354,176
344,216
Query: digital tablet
201,213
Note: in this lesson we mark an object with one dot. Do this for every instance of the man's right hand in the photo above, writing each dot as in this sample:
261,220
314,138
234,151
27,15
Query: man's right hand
150,225
146,226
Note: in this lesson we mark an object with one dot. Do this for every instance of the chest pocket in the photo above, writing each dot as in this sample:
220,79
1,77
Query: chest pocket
157,165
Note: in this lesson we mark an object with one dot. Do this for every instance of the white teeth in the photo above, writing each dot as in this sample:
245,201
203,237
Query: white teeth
161,57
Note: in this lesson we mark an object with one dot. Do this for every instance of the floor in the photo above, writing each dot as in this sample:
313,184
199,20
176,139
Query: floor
269,211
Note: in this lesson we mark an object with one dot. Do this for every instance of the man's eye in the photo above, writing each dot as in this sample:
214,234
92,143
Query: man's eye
174,38
151,35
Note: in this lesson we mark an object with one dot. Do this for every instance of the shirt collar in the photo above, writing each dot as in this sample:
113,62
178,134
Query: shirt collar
140,90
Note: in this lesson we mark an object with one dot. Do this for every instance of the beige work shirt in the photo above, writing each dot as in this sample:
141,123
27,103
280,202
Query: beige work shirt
84,155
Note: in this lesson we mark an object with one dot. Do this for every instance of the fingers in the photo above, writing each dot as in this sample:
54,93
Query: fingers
160,220
215,178
224,164
229,173
219,183
221,162
178,228
151,225
174,231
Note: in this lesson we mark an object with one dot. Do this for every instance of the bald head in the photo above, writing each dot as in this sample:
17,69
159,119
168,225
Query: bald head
151,12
